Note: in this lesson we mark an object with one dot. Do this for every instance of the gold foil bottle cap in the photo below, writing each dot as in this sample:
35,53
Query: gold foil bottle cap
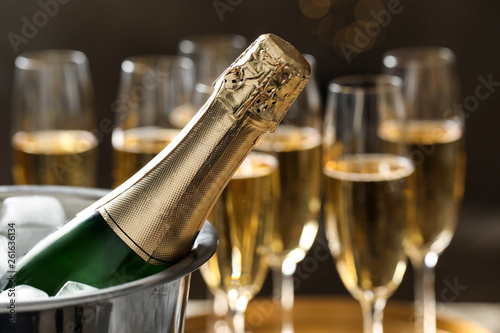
159,211
265,80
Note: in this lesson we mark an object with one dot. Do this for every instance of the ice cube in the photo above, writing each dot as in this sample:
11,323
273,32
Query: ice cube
23,293
72,288
31,210
29,219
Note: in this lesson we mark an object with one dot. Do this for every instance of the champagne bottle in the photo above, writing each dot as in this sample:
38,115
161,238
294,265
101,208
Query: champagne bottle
151,221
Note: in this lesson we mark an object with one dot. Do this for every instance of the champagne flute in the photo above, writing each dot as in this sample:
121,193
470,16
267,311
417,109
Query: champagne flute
368,190
436,143
297,145
53,120
152,107
211,53
243,217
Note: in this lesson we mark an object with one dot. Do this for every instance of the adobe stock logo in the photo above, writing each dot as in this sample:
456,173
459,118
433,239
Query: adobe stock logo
221,7
361,37
30,27
351,27
483,90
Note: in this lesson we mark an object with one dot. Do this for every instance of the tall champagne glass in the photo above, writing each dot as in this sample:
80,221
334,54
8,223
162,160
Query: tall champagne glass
152,107
369,197
211,53
297,145
243,217
434,135
53,120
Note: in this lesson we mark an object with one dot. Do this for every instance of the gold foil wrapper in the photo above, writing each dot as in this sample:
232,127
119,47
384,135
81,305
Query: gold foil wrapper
160,210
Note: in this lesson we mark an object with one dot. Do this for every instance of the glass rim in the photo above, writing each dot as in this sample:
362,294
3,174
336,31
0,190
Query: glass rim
365,83
310,59
190,44
418,55
37,60
140,63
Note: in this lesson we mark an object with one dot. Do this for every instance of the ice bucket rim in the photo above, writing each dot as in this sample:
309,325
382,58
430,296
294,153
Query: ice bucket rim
203,248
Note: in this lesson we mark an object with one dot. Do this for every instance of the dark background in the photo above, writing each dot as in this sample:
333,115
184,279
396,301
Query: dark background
107,31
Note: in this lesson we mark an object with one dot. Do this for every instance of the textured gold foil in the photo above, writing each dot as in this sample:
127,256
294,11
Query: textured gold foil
160,210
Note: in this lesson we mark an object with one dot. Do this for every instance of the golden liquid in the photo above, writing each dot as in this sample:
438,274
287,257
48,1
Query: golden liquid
438,152
55,157
299,154
368,203
243,217
181,115
134,148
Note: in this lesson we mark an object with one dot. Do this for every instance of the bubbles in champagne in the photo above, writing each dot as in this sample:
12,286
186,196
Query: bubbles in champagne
298,150
423,132
369,168
243,217
55,157
369,201
437,150
135,147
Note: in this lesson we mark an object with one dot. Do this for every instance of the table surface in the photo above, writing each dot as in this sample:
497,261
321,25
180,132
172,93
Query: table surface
486,314
338,314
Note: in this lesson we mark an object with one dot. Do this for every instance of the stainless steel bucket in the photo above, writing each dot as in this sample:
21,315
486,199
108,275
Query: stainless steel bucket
153,304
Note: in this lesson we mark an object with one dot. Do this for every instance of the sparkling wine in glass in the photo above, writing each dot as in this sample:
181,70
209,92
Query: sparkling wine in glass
243,217
369,190
297,145
434,134
151,108
53,120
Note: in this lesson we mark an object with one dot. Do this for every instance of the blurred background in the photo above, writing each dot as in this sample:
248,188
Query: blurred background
107,31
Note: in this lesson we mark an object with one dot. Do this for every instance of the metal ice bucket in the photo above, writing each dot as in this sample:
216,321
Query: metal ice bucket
153,304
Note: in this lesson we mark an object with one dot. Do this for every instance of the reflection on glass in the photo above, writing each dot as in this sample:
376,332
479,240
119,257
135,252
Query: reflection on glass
243,217
434,136
53,127
369,190
297,145
151,108
211,53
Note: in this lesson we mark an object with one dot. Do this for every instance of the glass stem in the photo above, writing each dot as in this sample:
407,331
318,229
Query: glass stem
283,289
373,313
221,306
238,322
425,298
287,292
238,307
277,282
283,293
